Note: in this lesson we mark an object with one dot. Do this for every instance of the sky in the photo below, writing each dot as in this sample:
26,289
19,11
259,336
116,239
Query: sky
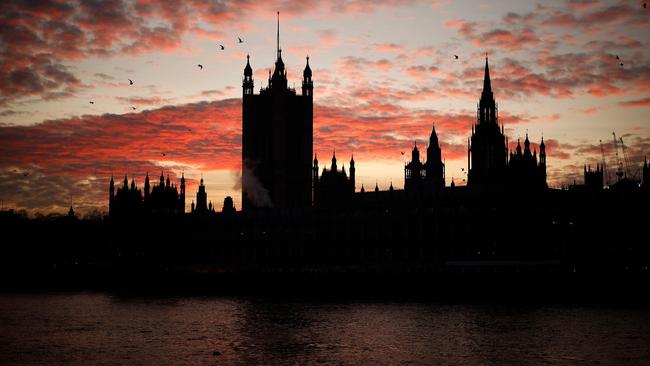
384,71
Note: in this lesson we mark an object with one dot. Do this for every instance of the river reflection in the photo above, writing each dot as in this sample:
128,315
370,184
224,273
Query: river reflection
91,328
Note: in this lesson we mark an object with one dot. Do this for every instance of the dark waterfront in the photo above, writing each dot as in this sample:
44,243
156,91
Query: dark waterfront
98,328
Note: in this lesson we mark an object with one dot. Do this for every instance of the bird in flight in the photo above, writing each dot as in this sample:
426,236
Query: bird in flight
621,64
133,108
163,154
456,57
200,66
91,102
25,174
618,58
222,47
240,41
130,82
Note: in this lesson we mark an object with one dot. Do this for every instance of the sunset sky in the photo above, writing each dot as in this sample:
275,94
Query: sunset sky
383,71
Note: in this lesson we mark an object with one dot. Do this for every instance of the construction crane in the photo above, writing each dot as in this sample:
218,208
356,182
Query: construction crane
619,163
603,163
628,173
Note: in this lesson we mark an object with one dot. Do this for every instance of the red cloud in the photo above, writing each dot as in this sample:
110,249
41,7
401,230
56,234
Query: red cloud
645,102
39,37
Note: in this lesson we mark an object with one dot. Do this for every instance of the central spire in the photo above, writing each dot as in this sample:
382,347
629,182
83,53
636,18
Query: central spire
487,85
278,51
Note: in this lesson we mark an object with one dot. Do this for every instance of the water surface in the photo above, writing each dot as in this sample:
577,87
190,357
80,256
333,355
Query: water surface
96,328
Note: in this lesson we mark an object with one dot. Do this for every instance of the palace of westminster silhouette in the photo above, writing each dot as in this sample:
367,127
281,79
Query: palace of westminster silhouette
278,172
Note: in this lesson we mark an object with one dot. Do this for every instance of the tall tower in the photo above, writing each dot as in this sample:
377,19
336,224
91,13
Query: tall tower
353,172
111,196
542,160
434,167
182,195
147,188
307,84
247,83
201,198
488,149
413,171
277,127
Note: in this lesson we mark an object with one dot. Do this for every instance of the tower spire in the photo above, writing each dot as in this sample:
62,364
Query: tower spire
487,85
278,37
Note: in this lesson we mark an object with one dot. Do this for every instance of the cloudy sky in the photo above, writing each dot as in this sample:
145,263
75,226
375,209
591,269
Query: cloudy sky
384,71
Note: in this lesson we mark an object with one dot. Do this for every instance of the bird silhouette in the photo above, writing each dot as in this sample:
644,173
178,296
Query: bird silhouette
222,47
130,82
163,154
133,108
618,58
456,57
621,64
200,66
25,174
91,102
240,41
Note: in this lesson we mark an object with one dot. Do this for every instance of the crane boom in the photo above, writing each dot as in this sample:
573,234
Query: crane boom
603,163
619,163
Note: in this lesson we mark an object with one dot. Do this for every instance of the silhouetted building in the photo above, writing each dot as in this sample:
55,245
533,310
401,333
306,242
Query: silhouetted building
593,178
161,199
429,176
646,175
487,153
228,206
524,171
201,200
334,188
277,129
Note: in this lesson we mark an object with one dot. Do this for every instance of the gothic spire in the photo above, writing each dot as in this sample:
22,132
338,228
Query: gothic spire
487,85
278,38
248,70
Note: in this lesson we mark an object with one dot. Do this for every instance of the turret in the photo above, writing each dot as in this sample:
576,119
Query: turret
248,84
415,154
147,187
182,195
111,195
527,146
278,80
333,166
487,105
315,170
352,174
307,84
